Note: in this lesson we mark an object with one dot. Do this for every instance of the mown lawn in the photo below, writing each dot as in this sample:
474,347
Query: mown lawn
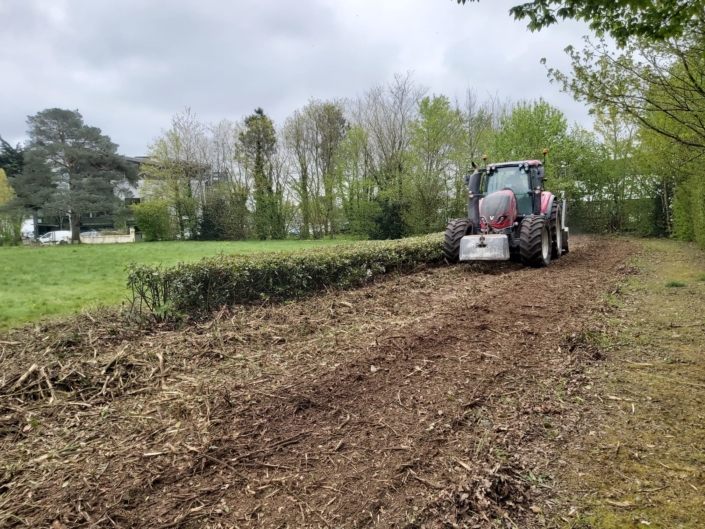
37,283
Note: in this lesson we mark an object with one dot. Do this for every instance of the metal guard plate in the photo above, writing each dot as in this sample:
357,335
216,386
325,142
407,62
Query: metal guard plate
496,248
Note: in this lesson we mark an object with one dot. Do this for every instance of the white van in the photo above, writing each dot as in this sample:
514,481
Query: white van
56,237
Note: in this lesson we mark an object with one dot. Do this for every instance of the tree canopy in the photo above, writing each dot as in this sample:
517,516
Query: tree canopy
11,158
621,19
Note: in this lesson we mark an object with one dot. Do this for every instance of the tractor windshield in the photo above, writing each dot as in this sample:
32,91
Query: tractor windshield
516,179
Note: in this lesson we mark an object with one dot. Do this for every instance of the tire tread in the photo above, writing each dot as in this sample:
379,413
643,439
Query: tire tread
456,230
530,247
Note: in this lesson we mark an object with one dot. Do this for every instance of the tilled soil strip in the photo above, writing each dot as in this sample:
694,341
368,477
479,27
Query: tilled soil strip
437,398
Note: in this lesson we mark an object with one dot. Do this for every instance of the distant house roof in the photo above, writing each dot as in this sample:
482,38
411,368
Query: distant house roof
137,159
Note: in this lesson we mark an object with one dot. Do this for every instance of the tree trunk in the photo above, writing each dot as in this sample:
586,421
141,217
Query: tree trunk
75,228
305,205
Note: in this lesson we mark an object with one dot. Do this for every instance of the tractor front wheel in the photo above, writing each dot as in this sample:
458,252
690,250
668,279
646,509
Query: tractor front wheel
456,230
535,241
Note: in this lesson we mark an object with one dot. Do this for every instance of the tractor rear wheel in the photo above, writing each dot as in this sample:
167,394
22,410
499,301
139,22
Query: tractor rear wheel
556,231
456,230
535,241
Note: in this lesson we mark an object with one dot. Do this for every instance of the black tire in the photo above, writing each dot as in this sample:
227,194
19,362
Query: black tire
63,242
535,241
566,248
456,230
556,231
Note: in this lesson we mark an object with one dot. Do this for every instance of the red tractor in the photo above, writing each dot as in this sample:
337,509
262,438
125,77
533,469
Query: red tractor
510,216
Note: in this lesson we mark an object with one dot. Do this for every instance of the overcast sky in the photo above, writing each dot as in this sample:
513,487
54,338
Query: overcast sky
129,65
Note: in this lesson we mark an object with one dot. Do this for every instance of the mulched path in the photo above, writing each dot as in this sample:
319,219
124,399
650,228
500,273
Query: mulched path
439,399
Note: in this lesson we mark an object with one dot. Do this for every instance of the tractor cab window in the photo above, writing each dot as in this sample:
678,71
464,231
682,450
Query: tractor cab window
516,179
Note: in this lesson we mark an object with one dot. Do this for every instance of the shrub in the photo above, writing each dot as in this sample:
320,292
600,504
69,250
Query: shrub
675,284
153,219
225,280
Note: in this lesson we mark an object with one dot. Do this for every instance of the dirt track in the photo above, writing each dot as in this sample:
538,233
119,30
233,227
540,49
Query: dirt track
443,396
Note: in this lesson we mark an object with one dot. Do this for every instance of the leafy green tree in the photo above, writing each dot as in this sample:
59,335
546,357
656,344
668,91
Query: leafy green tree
153,219
531,127
621,19
436,155
386,113
649,81
658,86
259,143
6,192
10,217
313,136
225,213
177,169
354,183
82,161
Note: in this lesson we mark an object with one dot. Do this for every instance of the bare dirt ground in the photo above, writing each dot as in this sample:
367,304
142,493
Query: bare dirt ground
445,398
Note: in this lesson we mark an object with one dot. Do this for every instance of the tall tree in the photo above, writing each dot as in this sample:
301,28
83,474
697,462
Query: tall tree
436,160
226,204
619,18
179,170
386,113
259,143
354,184
82,161
313,136
330,126
297,136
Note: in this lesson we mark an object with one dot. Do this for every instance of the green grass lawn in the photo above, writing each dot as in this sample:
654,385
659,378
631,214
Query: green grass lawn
47,281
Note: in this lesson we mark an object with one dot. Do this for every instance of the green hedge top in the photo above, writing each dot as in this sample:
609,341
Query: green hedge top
225,280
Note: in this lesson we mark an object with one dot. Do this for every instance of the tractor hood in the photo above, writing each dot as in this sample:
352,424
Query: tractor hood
498,210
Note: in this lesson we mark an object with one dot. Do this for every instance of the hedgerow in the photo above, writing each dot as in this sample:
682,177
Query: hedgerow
225,280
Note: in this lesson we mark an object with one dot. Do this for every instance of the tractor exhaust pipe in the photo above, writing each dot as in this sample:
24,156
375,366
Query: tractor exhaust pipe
474,196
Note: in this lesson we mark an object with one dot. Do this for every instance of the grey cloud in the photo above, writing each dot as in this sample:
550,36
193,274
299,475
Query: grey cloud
129,65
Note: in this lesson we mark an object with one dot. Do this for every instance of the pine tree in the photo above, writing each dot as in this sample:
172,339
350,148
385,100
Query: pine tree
81,161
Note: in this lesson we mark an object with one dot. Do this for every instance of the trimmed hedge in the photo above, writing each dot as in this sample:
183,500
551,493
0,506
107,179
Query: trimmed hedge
225,280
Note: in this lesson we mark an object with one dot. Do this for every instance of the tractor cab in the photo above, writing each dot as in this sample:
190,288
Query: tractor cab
513,178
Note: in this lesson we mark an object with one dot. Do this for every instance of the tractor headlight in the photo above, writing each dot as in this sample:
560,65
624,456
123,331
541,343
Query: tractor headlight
501,219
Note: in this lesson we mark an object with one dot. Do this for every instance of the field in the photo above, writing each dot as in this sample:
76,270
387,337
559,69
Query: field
37,283
457,396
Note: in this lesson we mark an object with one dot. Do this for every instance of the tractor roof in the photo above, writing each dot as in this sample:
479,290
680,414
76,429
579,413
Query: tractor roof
515,164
